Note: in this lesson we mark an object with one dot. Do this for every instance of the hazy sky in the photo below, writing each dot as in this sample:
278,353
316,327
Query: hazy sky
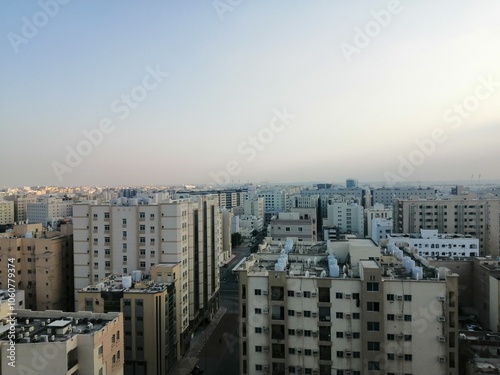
280,90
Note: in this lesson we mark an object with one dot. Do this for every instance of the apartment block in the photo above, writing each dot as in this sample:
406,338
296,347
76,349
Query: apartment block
380,229
21,205
459,215
48,209
255,207
378,211
304,310
346,216
385,196
43,265
431,243
121,239
152,343
300,225
6,212
61,343
227,198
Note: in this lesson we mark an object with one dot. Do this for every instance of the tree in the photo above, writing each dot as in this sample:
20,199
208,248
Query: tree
236,239
254,232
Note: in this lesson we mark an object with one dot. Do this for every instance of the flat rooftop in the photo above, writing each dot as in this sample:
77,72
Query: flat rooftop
126,283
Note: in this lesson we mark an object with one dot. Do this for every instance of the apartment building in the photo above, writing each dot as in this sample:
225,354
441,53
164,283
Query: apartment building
21,205
48,209
275,201
378,211
43,265
346,216
380,229
16,301
305,311
458,215
61,343
120,239
255,207
431,243
152,342
6,212
385,196
300,225
227,198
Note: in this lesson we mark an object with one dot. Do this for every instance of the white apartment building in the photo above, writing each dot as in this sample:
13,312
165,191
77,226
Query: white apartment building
48,209
378,211
255,207
346,216
275,201
385,196
380,229
6,212
475,217
63,343
304,311
247,224
308,201
431,243
301,226
113,239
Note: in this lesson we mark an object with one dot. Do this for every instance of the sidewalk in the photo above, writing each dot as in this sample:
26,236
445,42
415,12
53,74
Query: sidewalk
186,364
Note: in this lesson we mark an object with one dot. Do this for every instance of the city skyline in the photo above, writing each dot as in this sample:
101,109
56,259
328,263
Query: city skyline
248,91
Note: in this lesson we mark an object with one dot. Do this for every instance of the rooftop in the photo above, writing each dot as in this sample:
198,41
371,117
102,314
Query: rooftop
135,283
55,326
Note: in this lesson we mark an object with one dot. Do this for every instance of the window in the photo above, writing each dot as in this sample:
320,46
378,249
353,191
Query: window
390,297
340,354
124,221
373,345
407,318
408,357
390,317
373,326
340,335
372,287
307,314
291,332
355,315
372,365
390,337
258,311
291,293
356,335
258,368
258,330
307,352
307,333
106,215
142,215
307,294
407,337
291,312
407,297
339,315
258,292
372,306
390,356
258,349
338,295
291,350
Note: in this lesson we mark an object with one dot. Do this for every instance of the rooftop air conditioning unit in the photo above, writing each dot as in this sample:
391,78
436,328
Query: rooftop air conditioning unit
399,298
400,356
441,319
399,317
400,337
264,292
266,311
298,294
347,296
265,349
298,332
314,314
266,329
266,368
441,358
441,338
314,294
315,352
441,299
348,315
298,313
348,354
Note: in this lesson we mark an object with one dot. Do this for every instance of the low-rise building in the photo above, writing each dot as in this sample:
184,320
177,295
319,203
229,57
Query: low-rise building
62,343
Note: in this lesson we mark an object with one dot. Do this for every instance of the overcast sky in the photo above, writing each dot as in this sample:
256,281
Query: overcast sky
256,90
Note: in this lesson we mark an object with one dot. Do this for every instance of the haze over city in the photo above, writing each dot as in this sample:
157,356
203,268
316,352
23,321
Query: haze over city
206,78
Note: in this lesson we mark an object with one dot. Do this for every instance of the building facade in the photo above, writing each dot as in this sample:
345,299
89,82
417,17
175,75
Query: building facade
6,212
385,196
461,215
43,264
302,312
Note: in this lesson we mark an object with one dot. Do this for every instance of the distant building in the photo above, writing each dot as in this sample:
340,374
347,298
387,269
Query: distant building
61,343
380,229
46,210
386,196
6,212
378,211
21,205
347,216
300,225
430,243
351,183
459,215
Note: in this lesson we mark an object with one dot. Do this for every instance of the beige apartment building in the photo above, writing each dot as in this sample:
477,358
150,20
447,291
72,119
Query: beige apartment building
121,239
151,335
458,215
301,224
43,265
21,205
307,311
62,343
6,212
